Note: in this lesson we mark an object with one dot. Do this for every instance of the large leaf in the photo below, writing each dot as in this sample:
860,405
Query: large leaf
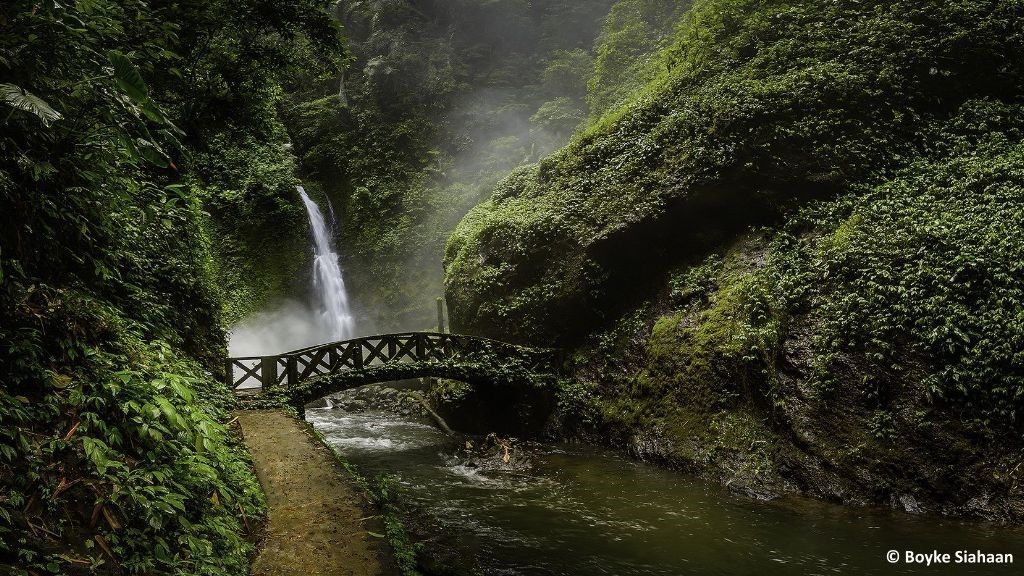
152,152
24,100
128,78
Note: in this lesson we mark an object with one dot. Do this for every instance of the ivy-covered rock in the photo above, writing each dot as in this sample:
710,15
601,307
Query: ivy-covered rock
791,262
756,106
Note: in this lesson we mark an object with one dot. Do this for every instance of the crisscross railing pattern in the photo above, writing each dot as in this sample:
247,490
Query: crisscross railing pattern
293,368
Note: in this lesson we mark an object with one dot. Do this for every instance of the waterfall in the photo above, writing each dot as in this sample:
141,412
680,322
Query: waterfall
328,285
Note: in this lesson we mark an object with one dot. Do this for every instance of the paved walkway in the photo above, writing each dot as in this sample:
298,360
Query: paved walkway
318,522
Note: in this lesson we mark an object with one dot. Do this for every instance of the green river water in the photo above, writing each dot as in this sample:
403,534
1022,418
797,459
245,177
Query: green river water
588,511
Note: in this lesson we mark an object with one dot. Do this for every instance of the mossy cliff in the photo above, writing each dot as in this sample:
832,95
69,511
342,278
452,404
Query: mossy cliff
791,260
258,229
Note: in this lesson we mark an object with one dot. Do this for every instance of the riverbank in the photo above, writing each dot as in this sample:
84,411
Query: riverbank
319,523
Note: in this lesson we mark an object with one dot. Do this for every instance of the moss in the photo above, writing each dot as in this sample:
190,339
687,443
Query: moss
759,106
256,225
830,354
628,50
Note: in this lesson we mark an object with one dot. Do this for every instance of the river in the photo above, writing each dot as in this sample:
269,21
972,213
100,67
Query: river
585,511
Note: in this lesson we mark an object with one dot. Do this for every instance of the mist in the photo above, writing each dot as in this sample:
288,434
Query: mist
442,100
286,326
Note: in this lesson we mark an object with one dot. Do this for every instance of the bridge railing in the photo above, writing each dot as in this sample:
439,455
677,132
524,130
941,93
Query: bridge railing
292,368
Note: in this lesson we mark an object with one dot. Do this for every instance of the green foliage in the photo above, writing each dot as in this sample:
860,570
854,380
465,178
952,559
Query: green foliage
627,50
567,72
882,328
440,100
243,168
21,99
695,284
577,404
922,273
114,452
759,105
385,494
866,341
559,117
128,78
450,391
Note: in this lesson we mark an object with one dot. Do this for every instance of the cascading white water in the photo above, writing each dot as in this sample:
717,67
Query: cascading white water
328,283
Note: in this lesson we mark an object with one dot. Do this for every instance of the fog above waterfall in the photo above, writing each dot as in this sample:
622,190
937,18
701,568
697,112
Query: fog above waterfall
442,100
290,325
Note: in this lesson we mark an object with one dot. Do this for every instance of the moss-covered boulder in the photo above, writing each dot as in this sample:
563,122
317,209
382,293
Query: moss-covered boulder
756,105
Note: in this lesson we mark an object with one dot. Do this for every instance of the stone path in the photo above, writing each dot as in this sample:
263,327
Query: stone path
319,523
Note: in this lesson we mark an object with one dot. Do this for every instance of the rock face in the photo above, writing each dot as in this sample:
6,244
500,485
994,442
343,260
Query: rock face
381,398
864,348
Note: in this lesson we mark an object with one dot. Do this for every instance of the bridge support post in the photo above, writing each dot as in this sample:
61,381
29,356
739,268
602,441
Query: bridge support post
357,355
293,371
268,371
229,373
440,315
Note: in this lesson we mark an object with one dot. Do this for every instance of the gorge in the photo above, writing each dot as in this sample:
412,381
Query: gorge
771,254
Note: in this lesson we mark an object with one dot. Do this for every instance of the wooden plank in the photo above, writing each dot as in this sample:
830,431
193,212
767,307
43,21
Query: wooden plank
421,347
407,347
357,354
431,347
247,371
375,351
351,355
312,363
332,359
282,371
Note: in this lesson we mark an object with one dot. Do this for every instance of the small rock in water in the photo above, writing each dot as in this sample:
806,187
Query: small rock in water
909,504
320,403
499,454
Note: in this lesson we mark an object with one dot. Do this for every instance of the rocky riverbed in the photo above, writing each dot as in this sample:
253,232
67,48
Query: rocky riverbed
405,402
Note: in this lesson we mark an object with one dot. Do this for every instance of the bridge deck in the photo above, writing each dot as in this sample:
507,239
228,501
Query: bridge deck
292,368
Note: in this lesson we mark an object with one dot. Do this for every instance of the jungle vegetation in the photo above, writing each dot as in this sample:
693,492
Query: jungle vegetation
780,242
127,127
440,99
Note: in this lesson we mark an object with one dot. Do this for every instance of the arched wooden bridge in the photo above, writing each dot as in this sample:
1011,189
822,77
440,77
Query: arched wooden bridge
314,372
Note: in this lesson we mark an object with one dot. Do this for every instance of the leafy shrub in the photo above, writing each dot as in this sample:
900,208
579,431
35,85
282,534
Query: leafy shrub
924,269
